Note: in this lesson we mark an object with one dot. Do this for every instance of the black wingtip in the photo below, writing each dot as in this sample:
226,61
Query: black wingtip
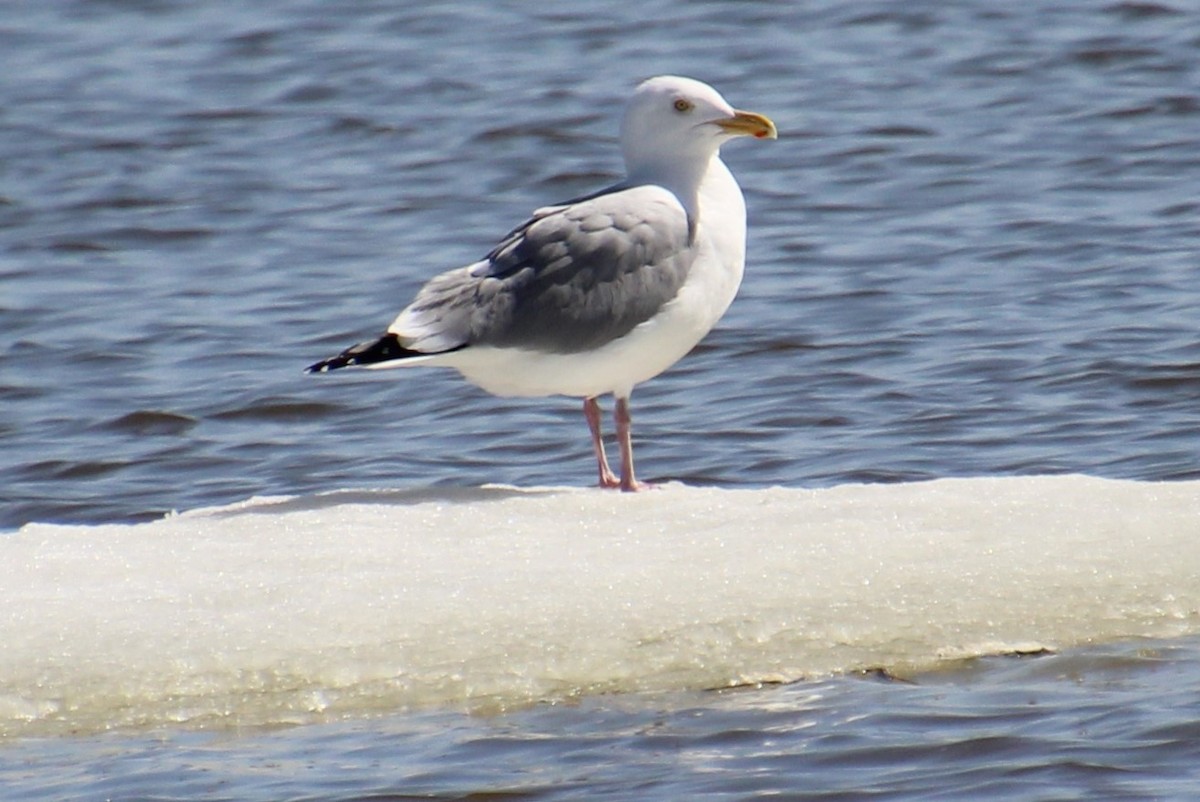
385,349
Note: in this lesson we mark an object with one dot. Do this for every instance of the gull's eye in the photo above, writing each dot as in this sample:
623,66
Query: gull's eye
682,105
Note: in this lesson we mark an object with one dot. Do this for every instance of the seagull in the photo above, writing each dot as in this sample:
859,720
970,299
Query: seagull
600,293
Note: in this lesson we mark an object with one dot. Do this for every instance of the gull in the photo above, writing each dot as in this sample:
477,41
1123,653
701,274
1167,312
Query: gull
600,293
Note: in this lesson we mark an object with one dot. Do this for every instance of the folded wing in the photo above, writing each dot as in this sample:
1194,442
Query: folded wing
570,279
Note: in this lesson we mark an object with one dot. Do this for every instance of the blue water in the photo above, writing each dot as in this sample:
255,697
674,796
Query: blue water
972,252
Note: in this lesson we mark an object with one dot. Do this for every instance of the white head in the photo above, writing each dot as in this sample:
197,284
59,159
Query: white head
675,125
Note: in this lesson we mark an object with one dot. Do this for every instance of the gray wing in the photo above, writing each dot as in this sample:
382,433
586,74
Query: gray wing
570,279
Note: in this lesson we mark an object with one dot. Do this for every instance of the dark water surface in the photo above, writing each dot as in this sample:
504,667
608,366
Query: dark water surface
973,251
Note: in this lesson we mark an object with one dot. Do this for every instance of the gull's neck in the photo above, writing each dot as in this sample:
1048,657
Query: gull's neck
683,176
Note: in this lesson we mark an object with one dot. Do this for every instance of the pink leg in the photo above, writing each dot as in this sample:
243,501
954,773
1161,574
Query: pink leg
591,411
623,418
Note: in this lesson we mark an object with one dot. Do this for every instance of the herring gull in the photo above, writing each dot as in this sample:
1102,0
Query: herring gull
598,294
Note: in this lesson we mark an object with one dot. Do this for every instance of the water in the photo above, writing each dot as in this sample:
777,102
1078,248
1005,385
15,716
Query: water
972,253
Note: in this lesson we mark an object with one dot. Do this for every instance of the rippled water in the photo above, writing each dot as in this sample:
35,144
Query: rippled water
972,252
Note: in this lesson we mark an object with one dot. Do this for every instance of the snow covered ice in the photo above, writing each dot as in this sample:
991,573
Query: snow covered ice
289,610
